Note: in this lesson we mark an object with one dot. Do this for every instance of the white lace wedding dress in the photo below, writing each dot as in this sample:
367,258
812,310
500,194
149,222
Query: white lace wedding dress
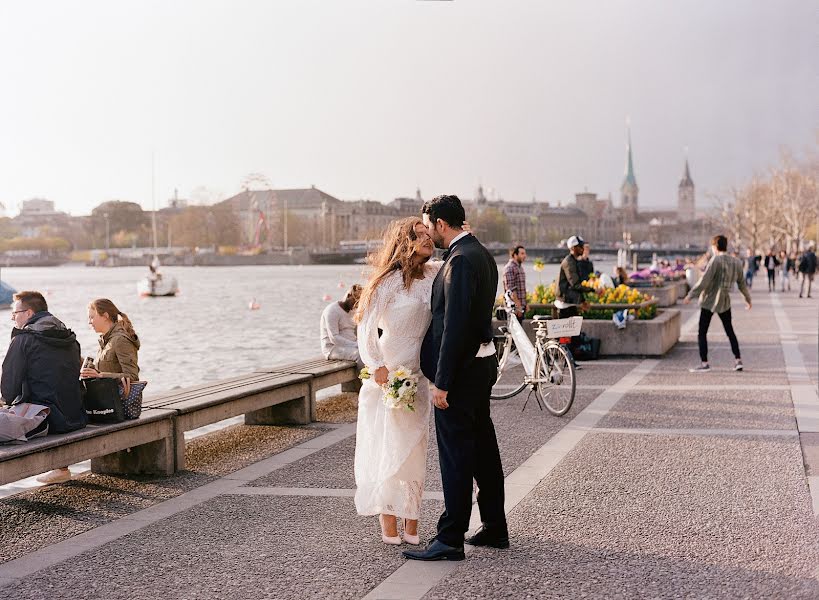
391,444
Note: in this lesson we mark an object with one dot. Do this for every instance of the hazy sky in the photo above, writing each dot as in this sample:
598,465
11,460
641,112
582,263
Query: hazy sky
369,99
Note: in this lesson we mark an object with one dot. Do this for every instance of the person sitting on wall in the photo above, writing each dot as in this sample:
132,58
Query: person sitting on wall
338,330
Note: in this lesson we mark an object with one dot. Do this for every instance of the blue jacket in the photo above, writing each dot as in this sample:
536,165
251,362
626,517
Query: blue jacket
42,366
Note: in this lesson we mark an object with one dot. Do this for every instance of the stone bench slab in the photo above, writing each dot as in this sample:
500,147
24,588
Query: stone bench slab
153,428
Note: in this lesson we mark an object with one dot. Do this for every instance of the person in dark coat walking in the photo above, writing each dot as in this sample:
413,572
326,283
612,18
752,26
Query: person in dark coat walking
458,357
807,267
771,265
42,364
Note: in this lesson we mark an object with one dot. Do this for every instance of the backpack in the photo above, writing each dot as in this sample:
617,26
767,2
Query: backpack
587,348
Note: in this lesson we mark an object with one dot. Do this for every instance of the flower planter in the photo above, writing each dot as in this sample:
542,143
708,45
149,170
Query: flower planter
549,309
666,294
650,337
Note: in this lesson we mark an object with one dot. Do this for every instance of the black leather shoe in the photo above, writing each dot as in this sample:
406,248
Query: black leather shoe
487,537
436,551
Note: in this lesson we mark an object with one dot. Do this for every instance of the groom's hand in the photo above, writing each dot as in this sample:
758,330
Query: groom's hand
439,398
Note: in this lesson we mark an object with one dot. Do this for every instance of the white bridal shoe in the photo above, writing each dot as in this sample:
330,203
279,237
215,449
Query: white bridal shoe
394,540
410,539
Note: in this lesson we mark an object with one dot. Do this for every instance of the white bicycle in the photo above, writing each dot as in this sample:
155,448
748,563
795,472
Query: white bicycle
547,364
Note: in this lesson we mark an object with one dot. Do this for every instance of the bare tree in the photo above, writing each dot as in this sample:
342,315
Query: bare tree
793,197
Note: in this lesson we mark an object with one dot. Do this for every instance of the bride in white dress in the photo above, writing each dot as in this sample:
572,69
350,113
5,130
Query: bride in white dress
391,443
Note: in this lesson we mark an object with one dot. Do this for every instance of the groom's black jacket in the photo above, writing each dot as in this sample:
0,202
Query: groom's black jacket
463,295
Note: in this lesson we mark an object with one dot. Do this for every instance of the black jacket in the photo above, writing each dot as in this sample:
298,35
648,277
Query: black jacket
463,295
569,288
42,366
807,263
585,267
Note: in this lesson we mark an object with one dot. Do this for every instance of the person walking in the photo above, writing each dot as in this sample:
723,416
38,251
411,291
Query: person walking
787,264
514,279
714,290
807,267
750,265
771,264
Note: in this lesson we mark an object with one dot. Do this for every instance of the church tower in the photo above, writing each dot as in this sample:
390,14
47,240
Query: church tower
686,208
629,190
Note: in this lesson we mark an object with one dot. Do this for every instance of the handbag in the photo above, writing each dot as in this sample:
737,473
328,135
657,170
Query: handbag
103,403
23,421
131,394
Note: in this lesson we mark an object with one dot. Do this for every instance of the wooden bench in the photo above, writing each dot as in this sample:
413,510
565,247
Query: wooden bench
139,446
155,443
323,373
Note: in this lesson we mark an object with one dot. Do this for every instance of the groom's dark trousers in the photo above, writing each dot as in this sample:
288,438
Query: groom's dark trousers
467,449
463,295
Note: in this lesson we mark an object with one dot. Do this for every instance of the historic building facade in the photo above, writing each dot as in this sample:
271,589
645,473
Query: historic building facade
311,217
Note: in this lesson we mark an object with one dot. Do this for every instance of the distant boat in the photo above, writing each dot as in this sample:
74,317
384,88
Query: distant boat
156,285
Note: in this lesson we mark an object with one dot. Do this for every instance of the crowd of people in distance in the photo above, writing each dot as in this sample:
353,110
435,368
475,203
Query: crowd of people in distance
782,266
44,366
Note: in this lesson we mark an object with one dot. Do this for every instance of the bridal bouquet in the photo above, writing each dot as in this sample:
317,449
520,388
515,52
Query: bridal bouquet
400,389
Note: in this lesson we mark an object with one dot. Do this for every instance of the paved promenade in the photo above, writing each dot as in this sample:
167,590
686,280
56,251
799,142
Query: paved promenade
658,484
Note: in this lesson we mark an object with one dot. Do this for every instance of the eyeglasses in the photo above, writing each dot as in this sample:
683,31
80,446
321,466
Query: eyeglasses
14,312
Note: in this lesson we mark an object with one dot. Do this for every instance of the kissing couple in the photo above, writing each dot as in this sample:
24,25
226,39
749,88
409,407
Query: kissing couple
435,321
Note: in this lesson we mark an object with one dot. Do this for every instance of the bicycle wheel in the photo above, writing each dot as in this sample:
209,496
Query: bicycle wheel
508,383
556,386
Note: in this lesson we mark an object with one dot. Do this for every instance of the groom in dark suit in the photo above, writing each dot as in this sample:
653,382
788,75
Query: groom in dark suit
458,356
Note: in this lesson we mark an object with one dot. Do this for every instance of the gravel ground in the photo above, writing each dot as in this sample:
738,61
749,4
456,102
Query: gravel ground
341,408
628,516
725,409
234,547
34,519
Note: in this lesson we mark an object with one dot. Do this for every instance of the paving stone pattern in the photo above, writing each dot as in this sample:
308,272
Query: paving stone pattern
674,517
724,409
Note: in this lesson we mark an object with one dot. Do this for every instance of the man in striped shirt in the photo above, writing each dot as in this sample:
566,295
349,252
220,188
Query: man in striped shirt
514,279
713,289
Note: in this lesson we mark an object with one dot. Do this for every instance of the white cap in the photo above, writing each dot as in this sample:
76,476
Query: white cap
573,241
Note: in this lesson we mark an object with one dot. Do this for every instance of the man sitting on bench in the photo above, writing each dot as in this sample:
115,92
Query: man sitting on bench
42,365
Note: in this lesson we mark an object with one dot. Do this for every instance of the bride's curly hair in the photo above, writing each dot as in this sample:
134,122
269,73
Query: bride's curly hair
400,245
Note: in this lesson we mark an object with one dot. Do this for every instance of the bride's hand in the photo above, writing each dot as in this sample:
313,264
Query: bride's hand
381,375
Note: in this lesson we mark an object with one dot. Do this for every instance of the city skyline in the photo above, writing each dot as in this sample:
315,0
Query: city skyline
370,101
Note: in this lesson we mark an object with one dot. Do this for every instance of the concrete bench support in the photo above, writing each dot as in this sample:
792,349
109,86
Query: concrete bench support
153,458
289,404
292,412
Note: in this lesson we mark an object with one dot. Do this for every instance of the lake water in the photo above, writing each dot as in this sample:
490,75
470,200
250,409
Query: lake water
207,332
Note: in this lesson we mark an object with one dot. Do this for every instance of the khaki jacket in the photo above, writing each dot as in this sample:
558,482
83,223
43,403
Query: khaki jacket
714,287
117,356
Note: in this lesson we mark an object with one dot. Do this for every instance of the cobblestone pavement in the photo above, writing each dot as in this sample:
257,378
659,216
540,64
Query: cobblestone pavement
658,484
